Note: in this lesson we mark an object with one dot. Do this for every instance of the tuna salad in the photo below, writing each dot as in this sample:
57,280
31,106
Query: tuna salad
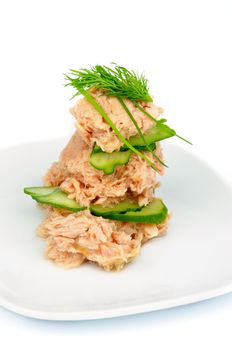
100,196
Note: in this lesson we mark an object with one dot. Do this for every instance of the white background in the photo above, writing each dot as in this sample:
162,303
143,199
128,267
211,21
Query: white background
185,48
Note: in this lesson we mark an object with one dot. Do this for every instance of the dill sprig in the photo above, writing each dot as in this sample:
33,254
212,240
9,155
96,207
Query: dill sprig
123,84
117,81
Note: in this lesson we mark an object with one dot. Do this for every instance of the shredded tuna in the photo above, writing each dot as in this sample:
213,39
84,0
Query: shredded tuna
75,238
65,258
74,174
93,128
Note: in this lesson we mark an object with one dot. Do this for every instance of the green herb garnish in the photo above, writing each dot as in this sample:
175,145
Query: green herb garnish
117,81
123,84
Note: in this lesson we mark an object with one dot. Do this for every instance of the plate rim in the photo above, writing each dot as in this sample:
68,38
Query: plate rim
116,311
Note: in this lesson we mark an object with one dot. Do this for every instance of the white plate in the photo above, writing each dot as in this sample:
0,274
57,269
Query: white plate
193,262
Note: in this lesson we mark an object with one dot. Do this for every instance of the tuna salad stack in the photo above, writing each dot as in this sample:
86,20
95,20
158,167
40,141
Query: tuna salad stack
100,195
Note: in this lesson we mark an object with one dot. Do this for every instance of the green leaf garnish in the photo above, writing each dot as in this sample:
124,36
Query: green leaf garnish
117,81
121,83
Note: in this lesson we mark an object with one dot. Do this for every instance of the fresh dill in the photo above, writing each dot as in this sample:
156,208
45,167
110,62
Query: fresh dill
117,81
123,84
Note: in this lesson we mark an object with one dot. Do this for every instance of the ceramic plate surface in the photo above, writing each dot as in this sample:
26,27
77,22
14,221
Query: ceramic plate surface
191,263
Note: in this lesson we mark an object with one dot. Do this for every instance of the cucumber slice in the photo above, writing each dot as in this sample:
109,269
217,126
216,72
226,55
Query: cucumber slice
153,213
39,191
59,199
157,133
108,161
126,211
122,207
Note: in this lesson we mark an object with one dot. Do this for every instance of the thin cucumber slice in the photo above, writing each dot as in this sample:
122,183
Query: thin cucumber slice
39,191
153,213
122,207
59,199
157,133
108,161
126,211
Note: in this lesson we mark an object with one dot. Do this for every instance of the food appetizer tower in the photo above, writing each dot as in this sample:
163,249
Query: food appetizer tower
100,195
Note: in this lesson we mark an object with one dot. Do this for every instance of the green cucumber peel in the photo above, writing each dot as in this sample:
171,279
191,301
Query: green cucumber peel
121,207
153,213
